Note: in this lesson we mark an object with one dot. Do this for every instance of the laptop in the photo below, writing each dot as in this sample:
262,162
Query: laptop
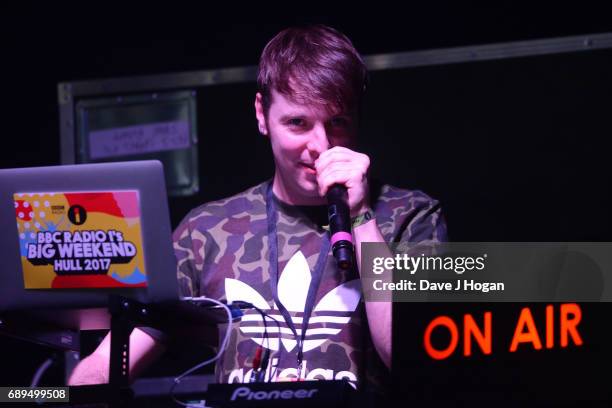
73,234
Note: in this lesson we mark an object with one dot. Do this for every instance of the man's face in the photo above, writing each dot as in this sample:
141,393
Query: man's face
299,134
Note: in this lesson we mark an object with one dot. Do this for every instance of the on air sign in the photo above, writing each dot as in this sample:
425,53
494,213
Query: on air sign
560,328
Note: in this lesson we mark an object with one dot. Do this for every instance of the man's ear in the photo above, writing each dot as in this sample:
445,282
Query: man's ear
259,114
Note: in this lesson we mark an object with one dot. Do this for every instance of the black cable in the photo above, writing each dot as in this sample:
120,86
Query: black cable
248,305
222,348
280,350
266,338
242,305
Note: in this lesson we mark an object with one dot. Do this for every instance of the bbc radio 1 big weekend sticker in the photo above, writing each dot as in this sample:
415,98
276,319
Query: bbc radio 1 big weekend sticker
80,239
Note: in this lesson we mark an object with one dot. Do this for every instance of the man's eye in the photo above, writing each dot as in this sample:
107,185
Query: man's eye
340,122
296,122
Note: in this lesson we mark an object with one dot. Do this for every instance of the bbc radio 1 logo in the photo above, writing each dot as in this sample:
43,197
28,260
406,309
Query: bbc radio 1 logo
77,214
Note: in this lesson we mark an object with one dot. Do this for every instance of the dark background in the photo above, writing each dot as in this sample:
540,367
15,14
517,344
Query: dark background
516,150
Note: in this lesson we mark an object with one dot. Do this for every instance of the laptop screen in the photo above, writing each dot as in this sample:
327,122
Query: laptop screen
74,234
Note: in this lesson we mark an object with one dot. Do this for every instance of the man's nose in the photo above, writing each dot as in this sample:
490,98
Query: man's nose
318,141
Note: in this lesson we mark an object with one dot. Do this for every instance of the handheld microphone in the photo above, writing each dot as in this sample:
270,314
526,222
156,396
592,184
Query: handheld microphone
340,225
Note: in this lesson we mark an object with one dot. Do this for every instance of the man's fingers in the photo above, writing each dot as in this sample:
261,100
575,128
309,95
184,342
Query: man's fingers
335,154
348,156
338,173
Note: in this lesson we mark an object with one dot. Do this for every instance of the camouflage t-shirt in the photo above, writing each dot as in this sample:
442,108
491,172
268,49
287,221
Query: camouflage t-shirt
222,253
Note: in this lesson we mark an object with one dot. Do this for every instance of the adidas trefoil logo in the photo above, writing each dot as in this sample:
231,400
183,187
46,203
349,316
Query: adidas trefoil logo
328,318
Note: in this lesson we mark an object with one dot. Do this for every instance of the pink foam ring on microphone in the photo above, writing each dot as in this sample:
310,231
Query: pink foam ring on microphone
341,236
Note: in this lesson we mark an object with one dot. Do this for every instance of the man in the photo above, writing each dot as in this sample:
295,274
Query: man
269,245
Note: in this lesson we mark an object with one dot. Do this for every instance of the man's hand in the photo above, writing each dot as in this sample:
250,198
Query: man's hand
340,165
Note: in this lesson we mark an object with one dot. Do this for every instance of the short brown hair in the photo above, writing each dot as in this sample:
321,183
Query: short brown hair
312,65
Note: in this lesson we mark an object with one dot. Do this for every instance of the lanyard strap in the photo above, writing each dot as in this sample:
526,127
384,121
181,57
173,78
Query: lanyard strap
317,274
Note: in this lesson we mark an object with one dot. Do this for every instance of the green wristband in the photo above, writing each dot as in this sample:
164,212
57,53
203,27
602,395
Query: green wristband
362,219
